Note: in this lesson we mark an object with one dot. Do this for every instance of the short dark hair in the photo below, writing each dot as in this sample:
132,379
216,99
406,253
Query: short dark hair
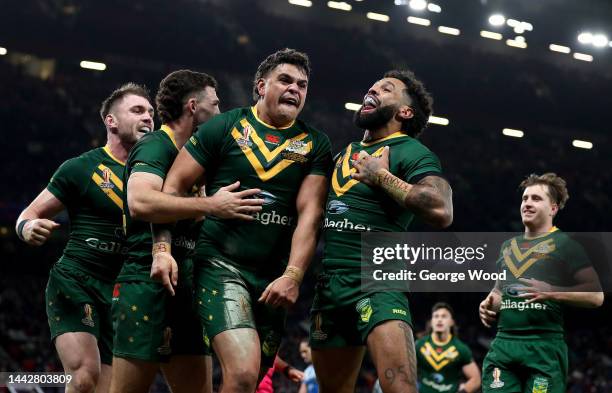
557,187
420,101
283,56
118,94
175,88
443,305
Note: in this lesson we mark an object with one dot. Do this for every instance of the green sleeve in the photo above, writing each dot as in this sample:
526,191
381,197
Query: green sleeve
465,354
574,256
417,161
64,184
206,144
151,155
322,162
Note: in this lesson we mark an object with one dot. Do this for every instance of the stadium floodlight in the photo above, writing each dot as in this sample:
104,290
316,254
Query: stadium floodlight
303,3
3,51
519,29
491,35
448,30
559,48
516,44
434,8
378,17
497,19
585,38
418,5
582,56
582,144
513,22
93,65
351,106
513,133
441,121
519,38
527,26
419,21
339,5
600,40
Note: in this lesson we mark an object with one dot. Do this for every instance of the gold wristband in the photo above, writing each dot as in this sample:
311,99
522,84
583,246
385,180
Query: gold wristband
161,247
294,273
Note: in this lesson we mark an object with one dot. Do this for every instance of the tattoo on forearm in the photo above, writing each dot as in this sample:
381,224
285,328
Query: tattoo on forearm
394,186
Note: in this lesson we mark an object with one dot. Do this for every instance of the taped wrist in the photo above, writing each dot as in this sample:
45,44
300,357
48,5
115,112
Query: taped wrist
294,273
161,247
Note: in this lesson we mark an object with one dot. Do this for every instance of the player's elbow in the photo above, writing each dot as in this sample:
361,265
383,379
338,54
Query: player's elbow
441,218
139,208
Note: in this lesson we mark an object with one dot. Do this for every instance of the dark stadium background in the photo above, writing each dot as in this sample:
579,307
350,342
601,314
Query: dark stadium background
49,112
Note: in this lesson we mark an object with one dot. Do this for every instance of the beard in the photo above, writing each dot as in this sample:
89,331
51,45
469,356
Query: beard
376,119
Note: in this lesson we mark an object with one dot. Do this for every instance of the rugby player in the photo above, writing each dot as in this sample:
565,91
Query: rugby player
379,184
90,188
529,352
246,273
155,326
442,359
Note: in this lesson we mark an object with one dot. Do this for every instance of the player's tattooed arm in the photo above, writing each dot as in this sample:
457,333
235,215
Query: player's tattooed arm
431,198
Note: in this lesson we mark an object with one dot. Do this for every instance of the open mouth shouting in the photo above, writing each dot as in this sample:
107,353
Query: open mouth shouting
289,100
369,104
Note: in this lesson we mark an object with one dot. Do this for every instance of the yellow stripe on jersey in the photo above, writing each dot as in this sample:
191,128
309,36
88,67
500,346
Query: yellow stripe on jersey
398,134
346,172
110,154
254,110
271,155
109,192
114,178
520,256
263,174
170,132
438,361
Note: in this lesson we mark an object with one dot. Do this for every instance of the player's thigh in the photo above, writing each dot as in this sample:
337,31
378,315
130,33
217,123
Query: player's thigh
238,351
79,351
337,368
501,367
188,373
132,375
391,346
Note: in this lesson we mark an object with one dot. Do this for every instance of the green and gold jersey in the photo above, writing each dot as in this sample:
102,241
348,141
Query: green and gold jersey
354,207
440,364
553,258
237,145
91,188
154,153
